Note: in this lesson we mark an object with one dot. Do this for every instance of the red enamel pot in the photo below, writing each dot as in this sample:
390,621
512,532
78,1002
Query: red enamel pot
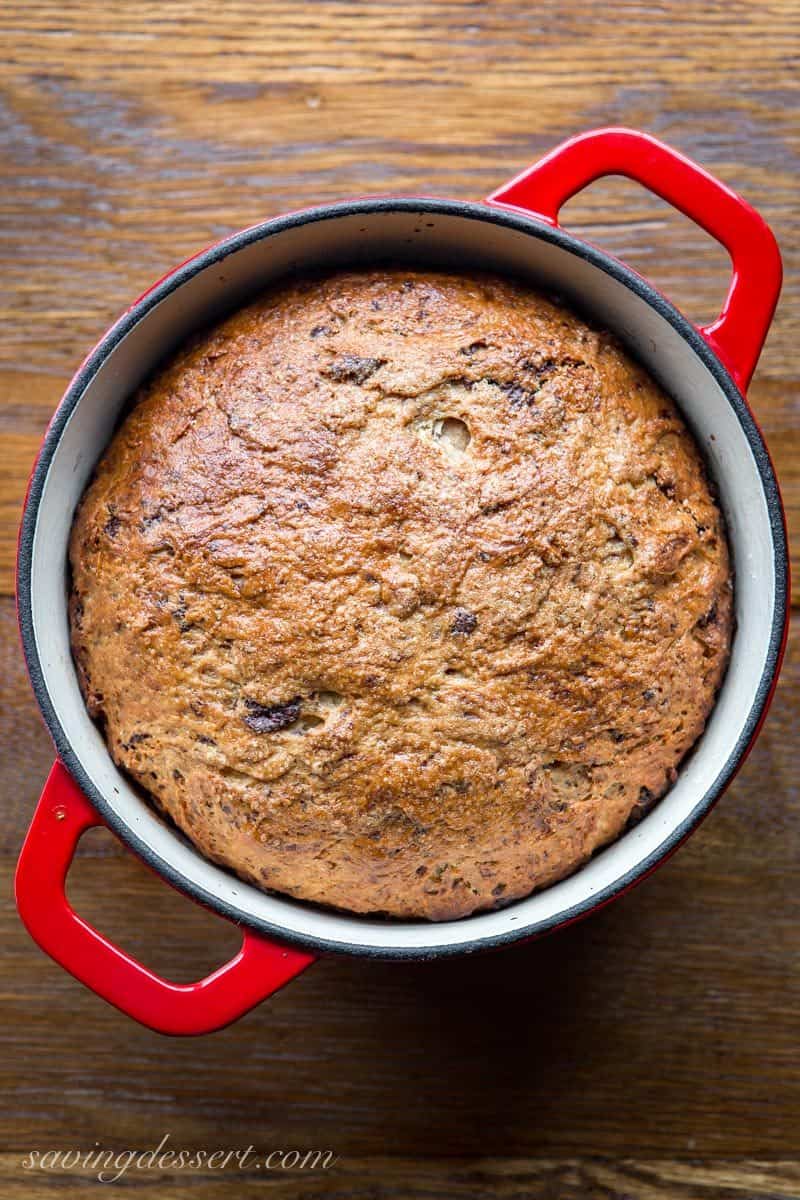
516,231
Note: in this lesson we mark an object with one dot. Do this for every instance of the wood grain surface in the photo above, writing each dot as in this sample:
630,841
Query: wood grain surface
652,1051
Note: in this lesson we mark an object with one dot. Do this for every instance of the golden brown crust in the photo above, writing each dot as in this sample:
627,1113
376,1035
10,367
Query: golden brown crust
365,662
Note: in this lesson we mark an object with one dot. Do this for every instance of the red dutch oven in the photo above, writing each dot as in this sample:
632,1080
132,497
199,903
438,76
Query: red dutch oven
516,231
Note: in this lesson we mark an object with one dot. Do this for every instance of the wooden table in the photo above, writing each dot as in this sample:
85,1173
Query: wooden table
653,1051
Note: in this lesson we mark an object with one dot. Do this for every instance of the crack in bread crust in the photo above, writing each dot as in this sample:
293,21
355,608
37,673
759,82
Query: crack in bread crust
401,592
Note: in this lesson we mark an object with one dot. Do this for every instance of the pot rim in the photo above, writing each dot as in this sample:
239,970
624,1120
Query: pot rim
478,211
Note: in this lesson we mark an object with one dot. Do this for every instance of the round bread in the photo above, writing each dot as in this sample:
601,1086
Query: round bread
402,592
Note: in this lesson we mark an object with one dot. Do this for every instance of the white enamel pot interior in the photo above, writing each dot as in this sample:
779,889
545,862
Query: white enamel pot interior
416,232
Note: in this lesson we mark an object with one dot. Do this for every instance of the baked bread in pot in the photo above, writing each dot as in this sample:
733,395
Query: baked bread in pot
401,592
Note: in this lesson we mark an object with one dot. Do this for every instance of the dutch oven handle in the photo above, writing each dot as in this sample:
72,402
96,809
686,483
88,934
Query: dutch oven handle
62,815
738,333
